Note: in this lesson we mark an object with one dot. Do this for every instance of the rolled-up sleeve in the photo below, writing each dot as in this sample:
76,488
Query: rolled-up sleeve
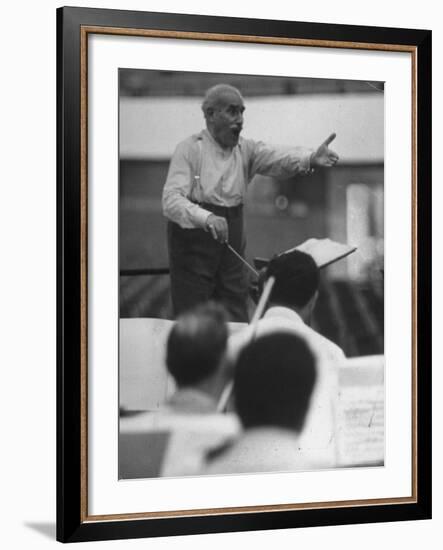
278,162
175,201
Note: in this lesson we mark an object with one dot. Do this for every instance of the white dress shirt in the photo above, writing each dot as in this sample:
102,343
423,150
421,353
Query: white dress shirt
265,449
201,171
174,440
317,441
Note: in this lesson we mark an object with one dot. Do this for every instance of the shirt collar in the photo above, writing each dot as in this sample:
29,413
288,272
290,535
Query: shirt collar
285,313
190,400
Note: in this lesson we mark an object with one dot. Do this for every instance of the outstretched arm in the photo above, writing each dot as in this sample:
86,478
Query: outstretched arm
284,162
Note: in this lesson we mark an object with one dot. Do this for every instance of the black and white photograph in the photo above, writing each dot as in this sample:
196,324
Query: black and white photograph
251,274
219,323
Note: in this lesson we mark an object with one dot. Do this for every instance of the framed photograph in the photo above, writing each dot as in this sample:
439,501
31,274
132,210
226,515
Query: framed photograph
198,159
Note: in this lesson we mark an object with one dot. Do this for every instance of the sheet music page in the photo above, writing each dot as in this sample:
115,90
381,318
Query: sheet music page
325,251
360,415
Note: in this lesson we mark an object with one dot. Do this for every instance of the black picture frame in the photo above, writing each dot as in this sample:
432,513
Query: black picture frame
73,523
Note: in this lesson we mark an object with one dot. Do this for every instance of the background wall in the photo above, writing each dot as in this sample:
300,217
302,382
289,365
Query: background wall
28,323
158,109
357,119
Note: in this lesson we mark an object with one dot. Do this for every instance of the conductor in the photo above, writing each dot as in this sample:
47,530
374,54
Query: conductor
203,200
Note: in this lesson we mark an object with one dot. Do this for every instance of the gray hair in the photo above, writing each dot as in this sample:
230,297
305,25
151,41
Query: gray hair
214,93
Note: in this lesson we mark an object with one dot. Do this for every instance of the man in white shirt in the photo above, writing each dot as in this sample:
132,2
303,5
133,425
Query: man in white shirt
290,308
275,376
293,298
174,440
203,199
291,305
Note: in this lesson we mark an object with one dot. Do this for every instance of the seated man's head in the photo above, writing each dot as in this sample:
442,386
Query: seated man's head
274,379
196,347
296,281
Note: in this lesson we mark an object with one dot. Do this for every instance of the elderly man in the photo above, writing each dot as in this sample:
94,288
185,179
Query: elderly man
203,200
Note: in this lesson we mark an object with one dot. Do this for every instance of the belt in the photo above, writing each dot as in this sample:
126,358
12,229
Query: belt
225,211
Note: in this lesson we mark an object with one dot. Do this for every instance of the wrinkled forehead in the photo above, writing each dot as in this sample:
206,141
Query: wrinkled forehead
226,98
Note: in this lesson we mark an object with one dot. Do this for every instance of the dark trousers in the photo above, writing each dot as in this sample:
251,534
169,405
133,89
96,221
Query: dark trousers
203,269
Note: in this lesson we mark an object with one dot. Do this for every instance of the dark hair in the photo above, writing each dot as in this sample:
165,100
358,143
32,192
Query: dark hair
196,344
274,379
296,278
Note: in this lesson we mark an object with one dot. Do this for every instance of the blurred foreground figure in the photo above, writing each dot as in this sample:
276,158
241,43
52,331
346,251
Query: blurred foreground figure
290,308
203,200
293,299
174,441
273,383
195,358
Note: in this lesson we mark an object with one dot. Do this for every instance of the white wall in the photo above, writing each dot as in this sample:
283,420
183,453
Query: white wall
27,221
152,127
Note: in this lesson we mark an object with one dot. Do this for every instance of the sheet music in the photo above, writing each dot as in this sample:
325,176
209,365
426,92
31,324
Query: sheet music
361,432
325,251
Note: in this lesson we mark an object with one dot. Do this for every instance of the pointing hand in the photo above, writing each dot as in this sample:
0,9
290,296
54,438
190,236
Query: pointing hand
324,156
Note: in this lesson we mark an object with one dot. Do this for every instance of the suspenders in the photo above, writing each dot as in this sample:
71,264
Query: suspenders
195,188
